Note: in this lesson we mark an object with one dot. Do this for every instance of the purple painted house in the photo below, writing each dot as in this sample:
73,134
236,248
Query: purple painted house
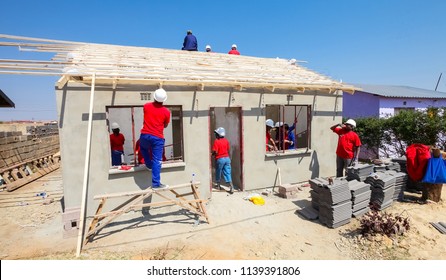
383,101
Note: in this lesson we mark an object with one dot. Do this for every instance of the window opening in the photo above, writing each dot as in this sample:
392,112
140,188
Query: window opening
291,122
130,120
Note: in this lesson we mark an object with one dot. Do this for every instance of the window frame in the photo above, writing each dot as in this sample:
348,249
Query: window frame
280,117
177,136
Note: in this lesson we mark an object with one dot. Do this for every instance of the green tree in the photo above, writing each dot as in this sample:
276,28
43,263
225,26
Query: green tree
391,136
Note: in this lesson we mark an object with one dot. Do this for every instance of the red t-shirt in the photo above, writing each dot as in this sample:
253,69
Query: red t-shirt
268,136
348,139
117,142
236,52
156,117
221,147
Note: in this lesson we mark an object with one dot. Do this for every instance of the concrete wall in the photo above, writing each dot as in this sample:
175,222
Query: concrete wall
259,170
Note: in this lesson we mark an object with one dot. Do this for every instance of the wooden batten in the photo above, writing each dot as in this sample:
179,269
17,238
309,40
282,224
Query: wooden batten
129,65
62,81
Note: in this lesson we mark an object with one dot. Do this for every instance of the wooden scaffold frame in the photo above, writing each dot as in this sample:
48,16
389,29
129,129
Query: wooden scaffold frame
195,204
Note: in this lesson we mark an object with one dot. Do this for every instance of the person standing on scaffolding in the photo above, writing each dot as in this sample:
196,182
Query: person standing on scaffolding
156,118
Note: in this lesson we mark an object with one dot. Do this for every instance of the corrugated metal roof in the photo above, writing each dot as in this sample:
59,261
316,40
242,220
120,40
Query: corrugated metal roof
5,101
400,91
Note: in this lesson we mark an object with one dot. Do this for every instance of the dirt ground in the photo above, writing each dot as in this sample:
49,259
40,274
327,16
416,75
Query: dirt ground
31,228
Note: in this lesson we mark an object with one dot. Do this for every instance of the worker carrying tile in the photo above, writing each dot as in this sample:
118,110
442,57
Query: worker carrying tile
220,150
117,140
348,148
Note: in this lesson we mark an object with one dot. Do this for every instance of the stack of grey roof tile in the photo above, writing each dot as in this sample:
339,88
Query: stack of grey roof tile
393,166
400,183
334,201
387,166
379,167
361,194
359,172
315,185
402,161
383,189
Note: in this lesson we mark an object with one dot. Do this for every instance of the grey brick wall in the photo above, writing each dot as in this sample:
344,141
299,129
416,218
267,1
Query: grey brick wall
39,141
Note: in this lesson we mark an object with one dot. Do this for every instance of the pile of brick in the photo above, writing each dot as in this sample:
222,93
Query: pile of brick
16,147
288,191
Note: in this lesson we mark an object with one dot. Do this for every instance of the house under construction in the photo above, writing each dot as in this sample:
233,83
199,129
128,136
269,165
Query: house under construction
101,84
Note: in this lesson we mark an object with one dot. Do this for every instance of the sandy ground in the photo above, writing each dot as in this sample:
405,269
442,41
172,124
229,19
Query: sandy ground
238,230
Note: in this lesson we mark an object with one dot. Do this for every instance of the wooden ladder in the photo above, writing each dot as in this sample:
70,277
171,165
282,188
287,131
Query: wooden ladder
135,201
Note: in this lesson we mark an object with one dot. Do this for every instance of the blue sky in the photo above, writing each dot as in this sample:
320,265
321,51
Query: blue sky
400,42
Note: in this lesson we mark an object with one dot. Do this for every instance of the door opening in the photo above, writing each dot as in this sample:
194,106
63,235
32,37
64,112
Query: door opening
230,119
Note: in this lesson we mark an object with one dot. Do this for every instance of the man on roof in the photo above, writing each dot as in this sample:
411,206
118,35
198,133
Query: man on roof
190,42
234,50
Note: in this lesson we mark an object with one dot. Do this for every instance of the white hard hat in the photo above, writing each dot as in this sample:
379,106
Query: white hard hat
234,46
351,122
220,131
114,125
279,124
160,95
208,47
269,122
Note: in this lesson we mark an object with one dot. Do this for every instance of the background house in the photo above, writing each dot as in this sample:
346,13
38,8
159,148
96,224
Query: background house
384,100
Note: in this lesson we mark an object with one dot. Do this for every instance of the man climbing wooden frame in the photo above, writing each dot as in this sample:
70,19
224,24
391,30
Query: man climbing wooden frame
136,199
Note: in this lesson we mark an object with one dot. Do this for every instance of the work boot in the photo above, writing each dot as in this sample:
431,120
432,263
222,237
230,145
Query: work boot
231,190
161,186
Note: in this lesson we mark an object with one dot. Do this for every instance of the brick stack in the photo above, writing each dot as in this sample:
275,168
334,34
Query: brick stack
288,191
16,148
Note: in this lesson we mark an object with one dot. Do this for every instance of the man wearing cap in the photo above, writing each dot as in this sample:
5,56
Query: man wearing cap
348,148
156,118
190,42
208,48
234,50
117,140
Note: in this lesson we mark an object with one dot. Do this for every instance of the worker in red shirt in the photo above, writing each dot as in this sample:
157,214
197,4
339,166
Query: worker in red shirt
220,150
117,140
156,118
270,143
234,50
348,148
